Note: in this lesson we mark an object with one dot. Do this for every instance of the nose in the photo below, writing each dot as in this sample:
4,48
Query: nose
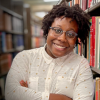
62,37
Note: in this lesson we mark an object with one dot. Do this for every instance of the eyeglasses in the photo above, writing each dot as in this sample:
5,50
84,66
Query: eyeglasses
59,31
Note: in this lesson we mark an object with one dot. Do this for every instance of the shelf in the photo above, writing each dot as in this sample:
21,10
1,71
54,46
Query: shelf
37,36
2,98
12,32
97,5
11,12
13,50
4,74
95,70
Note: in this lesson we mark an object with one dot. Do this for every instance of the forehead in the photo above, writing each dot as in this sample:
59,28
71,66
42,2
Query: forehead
65,21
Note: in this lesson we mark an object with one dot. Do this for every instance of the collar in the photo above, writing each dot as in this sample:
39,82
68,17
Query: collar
60,60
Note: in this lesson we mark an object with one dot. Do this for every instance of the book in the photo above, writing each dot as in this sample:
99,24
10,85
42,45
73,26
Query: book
0,42
84,4
3,39
70,3
7,22
1,20
99,44
17,25
79,47
9,42
88,48
97,85
89,3
99,89
18,42
2,82
91,44
76,2
93,39
5,62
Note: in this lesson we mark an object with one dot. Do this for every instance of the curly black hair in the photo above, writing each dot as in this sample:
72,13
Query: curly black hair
74,12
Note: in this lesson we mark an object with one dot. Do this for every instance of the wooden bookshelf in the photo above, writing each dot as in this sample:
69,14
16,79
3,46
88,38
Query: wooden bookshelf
13,50
2,98
4,74
11,12
95,70
93,12
94,7
14,36
12,32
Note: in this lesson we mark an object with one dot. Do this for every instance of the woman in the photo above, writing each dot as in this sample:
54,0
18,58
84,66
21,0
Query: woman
54,72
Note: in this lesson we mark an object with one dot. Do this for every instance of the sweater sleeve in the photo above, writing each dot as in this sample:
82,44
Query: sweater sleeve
18,72
84,89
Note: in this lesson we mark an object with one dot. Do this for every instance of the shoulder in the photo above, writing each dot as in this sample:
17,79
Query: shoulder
79,60
27,54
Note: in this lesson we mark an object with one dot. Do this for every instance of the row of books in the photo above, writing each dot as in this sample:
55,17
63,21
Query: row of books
9,42
84,4
95,42
36,30
91,50
10,23
38,42
5,64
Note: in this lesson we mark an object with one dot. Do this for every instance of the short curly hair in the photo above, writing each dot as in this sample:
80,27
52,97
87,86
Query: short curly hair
74,12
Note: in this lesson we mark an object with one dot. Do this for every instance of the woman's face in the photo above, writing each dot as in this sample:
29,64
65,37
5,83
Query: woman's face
58,46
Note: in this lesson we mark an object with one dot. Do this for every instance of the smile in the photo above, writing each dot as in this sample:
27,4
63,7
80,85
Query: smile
59,47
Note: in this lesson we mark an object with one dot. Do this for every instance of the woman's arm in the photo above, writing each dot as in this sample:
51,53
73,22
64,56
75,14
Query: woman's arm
58,97
52,96
84,89
18,72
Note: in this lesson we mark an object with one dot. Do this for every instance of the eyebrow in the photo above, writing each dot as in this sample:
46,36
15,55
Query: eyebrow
69,30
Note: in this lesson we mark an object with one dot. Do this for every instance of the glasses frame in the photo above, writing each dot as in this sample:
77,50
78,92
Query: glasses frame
63,32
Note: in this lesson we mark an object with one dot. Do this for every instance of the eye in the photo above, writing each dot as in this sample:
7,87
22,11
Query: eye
71,34
58,31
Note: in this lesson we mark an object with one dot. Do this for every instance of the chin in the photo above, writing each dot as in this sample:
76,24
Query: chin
60,55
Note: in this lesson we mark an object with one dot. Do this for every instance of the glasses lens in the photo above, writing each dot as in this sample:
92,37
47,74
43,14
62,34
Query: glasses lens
58,31
70,34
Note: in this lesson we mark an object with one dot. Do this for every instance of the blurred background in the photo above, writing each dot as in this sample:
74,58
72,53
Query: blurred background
20,29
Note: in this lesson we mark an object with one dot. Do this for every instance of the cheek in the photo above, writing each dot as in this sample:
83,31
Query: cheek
50,37
72,42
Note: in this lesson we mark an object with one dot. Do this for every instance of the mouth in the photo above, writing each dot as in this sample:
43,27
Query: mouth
59,47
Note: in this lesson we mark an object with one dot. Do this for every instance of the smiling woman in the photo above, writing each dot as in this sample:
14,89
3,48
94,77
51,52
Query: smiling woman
60,45
54,72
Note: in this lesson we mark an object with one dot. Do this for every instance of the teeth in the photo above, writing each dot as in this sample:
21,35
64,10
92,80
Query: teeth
60,46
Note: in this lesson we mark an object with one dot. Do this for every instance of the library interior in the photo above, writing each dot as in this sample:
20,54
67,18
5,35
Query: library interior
20,29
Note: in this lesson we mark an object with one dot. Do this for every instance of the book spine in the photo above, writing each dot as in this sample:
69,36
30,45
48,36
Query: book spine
99,43
91,45
89,3
93,41
84,4
4,42
0,42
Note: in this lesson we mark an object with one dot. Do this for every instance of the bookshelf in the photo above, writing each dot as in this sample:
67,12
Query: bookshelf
94,11
95,70
34,34
37,35
11,42
92,7
91,50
